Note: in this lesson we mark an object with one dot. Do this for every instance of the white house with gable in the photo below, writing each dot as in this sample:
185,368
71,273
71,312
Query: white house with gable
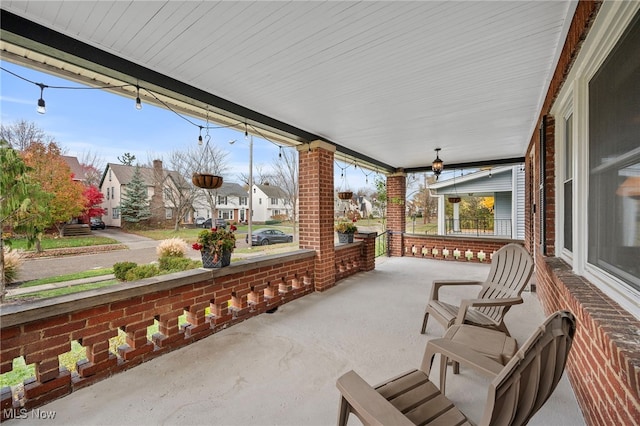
231,202
268,202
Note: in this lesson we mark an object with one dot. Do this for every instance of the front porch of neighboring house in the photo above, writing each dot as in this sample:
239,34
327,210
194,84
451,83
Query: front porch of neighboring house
505,185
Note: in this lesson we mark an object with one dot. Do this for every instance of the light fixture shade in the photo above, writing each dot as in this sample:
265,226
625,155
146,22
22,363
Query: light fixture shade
41,106
437,165
138,102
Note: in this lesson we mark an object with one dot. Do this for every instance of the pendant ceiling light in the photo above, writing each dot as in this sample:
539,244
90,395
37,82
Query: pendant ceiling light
437,164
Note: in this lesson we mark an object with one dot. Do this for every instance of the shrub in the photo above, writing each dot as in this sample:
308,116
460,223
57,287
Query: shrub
272,222
174,247
141,271
12,264
120,269
175,264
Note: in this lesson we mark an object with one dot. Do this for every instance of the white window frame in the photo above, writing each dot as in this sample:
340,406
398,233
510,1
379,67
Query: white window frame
611,22
562,116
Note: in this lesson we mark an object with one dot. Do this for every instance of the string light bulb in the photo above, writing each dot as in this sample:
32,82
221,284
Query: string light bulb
200,136
280,153
138,102
41,105
246,132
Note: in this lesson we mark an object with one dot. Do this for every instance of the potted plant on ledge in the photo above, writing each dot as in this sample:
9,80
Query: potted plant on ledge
345,231
215,246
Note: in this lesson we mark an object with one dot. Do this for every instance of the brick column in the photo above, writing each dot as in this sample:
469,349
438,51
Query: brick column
315,190
396,215
368,251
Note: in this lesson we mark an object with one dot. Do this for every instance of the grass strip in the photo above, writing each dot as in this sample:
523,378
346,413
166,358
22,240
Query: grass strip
68,277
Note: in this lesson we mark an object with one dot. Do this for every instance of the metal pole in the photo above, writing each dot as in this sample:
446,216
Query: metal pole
250,219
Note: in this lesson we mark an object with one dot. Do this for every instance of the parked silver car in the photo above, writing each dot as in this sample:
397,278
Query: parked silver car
264,237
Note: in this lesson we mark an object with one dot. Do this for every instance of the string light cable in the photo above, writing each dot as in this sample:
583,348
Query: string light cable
138,88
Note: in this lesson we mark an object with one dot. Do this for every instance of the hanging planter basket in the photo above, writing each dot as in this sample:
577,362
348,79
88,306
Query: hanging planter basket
454,200
345,195
206,180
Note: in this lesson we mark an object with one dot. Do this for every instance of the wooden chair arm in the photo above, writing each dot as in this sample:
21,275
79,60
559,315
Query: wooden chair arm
467,303
435,287
461,353
367,404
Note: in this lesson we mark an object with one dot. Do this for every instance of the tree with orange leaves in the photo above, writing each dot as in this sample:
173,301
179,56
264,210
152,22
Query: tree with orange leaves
55,177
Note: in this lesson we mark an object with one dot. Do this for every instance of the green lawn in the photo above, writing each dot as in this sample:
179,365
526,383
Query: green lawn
50,242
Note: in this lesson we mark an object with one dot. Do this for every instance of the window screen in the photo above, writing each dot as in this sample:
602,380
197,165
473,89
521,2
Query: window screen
614,161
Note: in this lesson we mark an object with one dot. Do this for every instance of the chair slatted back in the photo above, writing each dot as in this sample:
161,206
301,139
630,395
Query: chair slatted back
511,268
527,381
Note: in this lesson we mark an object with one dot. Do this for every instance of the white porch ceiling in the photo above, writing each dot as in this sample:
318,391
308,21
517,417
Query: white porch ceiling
389,80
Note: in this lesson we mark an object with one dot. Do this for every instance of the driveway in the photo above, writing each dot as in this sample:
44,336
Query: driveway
140,250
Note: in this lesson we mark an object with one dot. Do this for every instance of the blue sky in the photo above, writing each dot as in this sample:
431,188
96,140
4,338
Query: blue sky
109,125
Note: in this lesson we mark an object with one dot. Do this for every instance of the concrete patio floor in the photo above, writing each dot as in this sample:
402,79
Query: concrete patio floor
281,368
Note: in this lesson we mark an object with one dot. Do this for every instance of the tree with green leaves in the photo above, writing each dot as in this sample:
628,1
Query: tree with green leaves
127,159
134,205
381,198
23,203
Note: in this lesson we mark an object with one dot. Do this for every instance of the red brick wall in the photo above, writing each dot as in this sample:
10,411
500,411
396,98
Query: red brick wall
367,250
396,214
348,260
316,209
233,294
604,363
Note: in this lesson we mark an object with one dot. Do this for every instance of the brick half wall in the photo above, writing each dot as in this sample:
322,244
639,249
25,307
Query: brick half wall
459,249
43,330
604,363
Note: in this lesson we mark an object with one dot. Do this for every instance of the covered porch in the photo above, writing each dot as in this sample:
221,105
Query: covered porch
281,368
388,106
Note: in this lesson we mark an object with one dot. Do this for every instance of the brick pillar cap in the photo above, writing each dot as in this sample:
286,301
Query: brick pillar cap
317,144
399,172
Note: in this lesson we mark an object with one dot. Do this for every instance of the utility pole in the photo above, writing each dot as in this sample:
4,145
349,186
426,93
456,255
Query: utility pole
250,219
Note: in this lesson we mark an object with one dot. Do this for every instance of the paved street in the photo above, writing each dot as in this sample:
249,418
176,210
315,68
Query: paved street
140,250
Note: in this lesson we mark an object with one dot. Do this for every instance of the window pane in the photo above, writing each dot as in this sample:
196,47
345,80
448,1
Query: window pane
568,184
568,216
614,161
568,148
